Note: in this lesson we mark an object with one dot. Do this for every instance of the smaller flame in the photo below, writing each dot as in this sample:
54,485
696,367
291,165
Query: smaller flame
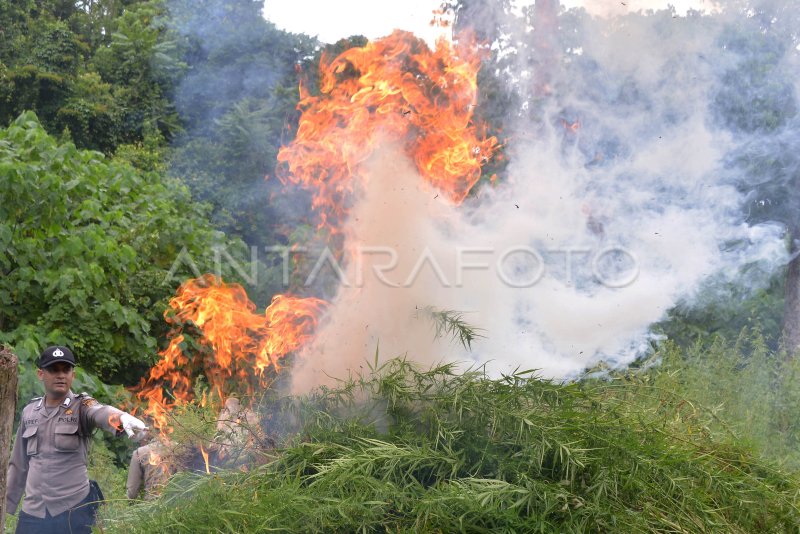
243,348
156,460
573,126
205,459
115,422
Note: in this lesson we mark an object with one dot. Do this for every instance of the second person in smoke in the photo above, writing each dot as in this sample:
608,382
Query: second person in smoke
151,467
238,432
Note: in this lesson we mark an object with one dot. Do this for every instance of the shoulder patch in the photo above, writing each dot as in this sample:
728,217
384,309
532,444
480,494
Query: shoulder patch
88,402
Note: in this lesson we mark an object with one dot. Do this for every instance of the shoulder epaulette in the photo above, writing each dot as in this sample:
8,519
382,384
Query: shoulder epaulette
35,400
85,399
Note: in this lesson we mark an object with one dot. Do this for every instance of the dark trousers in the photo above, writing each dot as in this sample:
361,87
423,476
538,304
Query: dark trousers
78,520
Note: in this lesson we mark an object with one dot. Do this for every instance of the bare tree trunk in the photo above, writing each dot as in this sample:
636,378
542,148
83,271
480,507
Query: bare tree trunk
8,407
791,302
545,43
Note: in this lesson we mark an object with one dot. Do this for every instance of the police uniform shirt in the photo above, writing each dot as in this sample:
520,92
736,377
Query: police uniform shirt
149,466
51,452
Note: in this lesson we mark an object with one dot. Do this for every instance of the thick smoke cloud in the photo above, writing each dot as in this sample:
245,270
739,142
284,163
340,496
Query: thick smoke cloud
627,193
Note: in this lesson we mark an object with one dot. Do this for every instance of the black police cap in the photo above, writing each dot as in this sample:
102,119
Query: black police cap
55,354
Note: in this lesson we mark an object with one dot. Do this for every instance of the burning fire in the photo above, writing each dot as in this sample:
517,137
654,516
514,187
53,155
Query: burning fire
114,421
395,86
241,345
205,459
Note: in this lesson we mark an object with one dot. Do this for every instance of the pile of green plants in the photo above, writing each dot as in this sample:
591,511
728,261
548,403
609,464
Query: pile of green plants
405,449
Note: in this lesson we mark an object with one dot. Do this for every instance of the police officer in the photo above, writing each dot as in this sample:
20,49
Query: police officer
48,462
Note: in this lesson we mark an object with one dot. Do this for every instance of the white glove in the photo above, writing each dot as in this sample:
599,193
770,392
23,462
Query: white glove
130,424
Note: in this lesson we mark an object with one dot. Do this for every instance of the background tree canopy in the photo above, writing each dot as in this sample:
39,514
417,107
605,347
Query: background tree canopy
237,102
87,247
99,72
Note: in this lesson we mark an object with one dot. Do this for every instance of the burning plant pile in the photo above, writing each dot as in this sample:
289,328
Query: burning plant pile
239,352
395,88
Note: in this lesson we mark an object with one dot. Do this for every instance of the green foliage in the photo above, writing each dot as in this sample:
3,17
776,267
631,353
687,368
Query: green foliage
51,46
238,105
452,323
411,450
103,70
751,390
91,114
725,311
147,155
43,58
143,63
27,87
755,95
88,251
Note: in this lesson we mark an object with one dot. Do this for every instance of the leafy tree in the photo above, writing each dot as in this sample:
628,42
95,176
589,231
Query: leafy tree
96,20
142,63
89,249
90,114
758,103
237,103
233,53
44,55
100,72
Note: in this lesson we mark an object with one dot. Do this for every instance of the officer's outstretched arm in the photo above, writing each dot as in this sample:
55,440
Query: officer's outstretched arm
111,419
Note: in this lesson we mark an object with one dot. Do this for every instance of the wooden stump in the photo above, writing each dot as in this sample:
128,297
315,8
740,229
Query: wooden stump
8,407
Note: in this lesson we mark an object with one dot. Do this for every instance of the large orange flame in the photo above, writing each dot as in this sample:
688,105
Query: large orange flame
398,87
241,345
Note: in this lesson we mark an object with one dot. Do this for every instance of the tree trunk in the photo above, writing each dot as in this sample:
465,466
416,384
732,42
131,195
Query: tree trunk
545,44
791,294
8,407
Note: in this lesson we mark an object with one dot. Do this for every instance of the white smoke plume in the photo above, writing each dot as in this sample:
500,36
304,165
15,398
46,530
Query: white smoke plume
620,202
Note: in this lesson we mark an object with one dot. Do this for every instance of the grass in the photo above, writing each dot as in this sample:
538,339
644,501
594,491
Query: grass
451,323
748,393
405,449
